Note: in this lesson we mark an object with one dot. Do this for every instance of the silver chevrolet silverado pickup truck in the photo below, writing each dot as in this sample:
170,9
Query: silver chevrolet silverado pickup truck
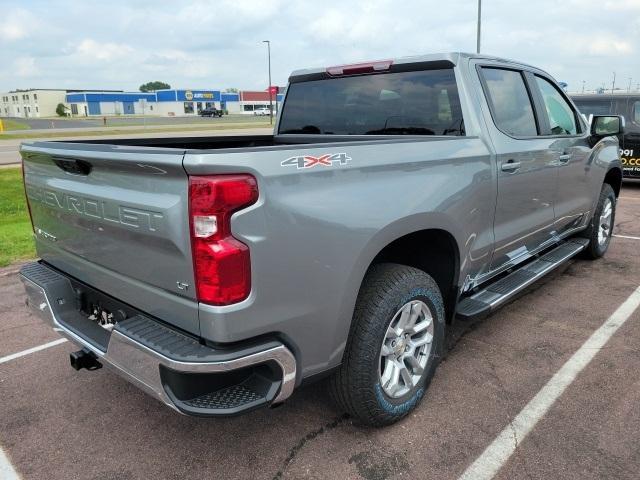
393,199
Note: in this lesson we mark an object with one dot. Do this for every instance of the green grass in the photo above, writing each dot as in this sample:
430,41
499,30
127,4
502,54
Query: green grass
16,240
9,124
117,131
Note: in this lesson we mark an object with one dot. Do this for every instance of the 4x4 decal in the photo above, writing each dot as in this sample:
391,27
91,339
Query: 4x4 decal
309,161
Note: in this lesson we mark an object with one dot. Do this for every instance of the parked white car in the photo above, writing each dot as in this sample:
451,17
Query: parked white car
261,111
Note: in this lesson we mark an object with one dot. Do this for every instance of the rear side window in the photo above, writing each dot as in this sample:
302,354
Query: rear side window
510,103
562,118
396,103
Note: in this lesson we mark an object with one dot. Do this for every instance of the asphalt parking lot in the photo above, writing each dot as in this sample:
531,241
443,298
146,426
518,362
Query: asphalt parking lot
60,424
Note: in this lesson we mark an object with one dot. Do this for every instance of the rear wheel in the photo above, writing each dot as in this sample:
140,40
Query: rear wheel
601,226
394,346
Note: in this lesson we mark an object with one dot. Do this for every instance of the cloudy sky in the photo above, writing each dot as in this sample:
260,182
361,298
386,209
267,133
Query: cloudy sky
119,44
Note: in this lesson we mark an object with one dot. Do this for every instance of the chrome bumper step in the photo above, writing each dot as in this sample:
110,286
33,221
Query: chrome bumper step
496,294
178,369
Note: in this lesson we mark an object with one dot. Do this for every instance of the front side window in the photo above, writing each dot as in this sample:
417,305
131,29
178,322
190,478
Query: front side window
511,105
562,119
422,102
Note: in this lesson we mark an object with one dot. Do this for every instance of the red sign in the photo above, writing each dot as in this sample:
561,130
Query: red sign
273,90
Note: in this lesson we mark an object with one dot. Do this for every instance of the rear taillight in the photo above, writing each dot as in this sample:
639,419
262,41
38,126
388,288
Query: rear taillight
221,262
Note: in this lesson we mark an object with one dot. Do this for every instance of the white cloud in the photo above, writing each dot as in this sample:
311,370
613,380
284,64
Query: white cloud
218,43
609,46
108,51
25,67
14,24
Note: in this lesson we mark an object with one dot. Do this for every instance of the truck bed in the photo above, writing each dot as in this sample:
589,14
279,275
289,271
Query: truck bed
245,141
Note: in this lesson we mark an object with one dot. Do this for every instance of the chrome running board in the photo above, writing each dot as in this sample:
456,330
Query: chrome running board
496,294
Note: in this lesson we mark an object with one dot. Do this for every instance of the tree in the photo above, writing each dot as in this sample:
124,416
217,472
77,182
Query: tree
153,86
61,110
232,90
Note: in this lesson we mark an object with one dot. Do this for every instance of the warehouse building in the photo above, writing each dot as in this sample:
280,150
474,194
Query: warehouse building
31,103
171,102
110,103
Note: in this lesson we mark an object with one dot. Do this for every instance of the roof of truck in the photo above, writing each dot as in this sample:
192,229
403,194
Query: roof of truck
451,57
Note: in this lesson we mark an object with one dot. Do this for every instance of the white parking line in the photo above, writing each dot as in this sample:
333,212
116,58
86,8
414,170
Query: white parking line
6,469
626,236
32,350
497,454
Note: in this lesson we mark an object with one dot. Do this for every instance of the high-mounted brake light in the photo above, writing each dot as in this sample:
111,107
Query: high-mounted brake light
359,68
222,265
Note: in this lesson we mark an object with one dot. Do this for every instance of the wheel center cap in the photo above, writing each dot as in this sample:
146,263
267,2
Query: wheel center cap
400,344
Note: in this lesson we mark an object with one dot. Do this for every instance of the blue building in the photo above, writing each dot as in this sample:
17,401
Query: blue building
173,102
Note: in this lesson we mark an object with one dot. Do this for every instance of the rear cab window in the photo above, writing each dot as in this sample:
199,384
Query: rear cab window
421,102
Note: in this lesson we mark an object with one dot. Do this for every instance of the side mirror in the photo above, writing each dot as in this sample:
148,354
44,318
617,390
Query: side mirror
607,125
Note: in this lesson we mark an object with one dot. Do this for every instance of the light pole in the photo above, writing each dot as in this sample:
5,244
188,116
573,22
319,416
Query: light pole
583,82
479,25
629,89
613,84
270,94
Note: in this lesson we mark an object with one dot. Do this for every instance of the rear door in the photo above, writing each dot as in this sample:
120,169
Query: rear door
116,218
567,138
526,173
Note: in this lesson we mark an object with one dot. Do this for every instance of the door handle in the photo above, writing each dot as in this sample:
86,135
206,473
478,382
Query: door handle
510,166
565,157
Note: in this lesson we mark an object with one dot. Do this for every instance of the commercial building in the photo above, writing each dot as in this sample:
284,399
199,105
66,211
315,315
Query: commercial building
31,103
171,102
85,104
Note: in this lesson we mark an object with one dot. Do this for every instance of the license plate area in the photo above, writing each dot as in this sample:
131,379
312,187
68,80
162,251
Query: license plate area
92,314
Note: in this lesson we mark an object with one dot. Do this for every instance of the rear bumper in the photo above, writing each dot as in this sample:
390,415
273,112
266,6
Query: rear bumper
169,365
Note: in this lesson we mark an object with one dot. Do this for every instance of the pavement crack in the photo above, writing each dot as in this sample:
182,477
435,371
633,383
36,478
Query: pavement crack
306,439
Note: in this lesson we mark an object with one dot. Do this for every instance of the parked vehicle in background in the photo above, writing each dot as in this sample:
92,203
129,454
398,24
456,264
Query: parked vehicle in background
261,111
393,199
211,112
628,106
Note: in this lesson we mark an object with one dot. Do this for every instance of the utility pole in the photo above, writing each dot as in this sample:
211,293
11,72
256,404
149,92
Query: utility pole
629,88
270,94
479,25
613,84
583,82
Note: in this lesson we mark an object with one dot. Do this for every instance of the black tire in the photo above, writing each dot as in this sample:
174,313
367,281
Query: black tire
596,249
356,386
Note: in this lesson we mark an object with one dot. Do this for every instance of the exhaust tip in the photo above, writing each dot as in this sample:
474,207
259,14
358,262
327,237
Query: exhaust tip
84,359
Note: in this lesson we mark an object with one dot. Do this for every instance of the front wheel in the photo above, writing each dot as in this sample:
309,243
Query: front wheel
601,227
394,346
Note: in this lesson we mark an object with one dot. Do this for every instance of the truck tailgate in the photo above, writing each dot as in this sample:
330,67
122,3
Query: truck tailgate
116,218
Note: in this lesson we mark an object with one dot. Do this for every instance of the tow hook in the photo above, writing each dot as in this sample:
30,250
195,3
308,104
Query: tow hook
84,359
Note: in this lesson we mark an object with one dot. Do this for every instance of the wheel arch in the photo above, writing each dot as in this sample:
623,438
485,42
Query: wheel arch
614,178
387,245
439,257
